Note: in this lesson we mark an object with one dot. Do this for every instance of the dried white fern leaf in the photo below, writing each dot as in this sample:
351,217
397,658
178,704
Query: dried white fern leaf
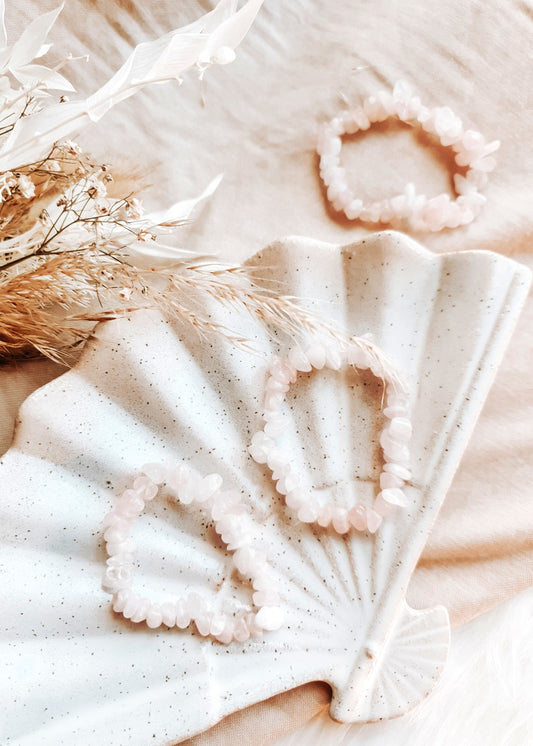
154,254
184,210
30,75
232,31
150,62
32,42
31,45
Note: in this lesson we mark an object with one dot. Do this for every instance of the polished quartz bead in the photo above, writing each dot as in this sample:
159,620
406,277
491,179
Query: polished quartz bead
241,631
157,473
116,533
269,617
183,614
263,580
118,576
121,598
353,209
248,559
227,501
394,496
277,457
130,505
334,359
349,124
142,610
226,635
358,356
203,623
273,400
120,547
254,629
189,489
260,446
177,475
283,371
265,598
288,483
195,604
357,517
308,512
132,604
276,425
273,384
387,480
360,118
218,624
207,487
299,360
280,470
395,411
168,613
145,487
399,470
339,519
394,449
373,520
154,617
400,429
324,515
295,499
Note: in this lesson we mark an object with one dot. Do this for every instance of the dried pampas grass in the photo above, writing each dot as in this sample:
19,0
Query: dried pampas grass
54,307
37,307
75,244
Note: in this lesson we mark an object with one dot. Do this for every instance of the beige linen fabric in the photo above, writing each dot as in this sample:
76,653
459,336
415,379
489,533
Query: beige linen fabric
256,120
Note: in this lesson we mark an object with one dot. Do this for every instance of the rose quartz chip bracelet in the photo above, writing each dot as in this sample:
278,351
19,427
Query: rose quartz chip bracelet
232,523
472,153
230,515
266,446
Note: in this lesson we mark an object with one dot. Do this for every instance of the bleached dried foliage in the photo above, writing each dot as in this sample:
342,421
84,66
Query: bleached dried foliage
75,245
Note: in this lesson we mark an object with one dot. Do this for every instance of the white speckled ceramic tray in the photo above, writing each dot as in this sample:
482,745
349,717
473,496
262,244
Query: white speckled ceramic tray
72,671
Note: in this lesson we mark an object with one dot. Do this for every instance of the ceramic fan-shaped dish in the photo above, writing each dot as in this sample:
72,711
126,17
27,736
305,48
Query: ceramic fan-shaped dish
147,390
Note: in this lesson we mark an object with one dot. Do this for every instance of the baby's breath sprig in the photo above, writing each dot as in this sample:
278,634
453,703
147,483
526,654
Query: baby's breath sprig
75,244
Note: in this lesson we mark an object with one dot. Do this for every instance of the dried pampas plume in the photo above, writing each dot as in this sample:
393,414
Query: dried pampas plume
38,308
75,244
54,307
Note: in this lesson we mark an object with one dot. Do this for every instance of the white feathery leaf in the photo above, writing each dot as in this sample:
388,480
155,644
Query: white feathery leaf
210,21
182,211
149,254
232,31
42,51
31,43
156,255
33,74
150,62
33,136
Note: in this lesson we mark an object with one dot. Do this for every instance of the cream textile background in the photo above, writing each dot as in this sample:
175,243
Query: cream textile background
257,119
